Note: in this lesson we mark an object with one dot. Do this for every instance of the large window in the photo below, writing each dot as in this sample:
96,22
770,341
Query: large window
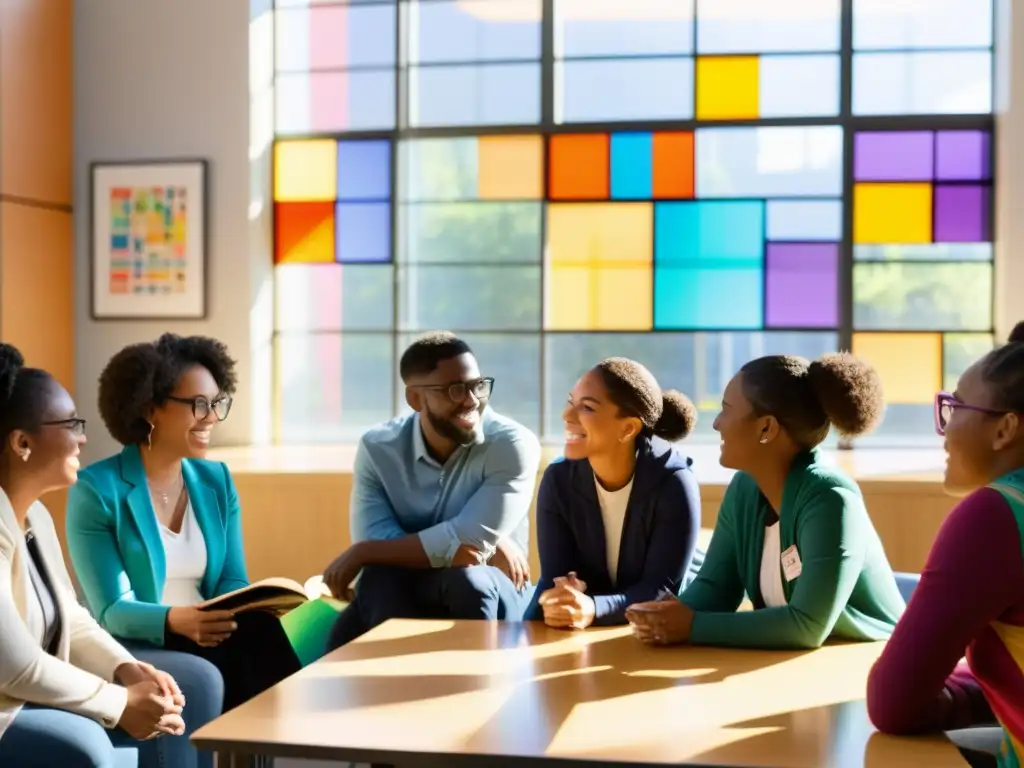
691,183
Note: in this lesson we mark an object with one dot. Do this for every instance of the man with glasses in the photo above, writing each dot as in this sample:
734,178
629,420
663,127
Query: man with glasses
440,502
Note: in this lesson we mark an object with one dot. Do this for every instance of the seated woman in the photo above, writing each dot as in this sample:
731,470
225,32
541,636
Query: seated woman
971,595
792,532
63,680
156,529
617,520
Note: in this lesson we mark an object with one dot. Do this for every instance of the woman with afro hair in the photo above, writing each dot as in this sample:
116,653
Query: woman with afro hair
618,518
792,532
156,529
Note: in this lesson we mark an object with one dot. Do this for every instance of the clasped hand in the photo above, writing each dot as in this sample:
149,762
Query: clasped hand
155,702
567,605
661,622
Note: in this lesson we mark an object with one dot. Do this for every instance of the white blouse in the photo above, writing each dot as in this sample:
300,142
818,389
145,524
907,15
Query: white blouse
771,568
613,514
185,554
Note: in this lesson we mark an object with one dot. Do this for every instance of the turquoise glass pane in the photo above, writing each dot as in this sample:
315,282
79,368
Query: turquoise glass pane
709,265
632,172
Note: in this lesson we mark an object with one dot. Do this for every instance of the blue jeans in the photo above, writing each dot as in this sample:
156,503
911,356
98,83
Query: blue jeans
40,737
203,687
385,592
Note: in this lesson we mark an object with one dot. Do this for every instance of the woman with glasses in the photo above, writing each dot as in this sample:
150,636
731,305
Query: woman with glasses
970,600
156,529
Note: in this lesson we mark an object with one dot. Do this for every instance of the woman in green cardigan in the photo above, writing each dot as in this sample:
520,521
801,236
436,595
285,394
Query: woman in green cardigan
792,533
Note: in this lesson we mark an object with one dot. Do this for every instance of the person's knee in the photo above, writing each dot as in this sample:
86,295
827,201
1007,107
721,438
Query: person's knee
86,745
471,593
203,687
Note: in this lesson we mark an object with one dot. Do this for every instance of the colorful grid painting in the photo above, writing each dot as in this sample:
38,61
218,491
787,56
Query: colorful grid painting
691,183
148,227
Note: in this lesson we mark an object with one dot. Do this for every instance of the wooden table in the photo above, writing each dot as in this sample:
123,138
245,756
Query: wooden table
420,694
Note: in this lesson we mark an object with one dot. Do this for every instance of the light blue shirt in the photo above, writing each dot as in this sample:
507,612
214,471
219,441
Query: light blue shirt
481,495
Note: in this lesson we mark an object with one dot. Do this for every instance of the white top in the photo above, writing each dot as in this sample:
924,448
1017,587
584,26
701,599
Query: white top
771,568
613,513
185,553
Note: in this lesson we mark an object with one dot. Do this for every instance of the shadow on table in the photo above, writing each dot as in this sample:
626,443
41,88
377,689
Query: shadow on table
602,671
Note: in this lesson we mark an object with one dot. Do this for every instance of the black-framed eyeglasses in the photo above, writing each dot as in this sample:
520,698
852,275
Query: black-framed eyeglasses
458,391
202,406
76,426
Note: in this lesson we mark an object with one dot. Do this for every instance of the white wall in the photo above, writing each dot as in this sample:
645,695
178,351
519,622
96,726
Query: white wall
155,79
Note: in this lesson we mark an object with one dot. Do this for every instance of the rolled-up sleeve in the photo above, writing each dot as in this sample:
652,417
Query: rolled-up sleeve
496,509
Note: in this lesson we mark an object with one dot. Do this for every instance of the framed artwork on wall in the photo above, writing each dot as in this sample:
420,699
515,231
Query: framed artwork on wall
149,240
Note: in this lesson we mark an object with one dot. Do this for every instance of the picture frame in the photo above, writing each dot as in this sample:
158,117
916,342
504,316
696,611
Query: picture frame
149,240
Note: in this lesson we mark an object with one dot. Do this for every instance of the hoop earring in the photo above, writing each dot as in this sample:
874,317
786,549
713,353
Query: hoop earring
149,435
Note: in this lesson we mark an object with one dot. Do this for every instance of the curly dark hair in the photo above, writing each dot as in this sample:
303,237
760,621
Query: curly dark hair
808,398
1003,371
141,376
422,357
669,414
24,394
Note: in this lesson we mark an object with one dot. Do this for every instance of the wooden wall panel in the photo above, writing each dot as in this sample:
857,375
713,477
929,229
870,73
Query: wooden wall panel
36,281
36,100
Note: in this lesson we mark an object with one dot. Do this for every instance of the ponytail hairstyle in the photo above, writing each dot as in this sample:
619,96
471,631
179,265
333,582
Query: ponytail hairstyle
808,398
1003,371
23,394
667,414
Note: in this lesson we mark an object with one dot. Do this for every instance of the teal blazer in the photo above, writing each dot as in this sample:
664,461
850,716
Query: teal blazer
115,545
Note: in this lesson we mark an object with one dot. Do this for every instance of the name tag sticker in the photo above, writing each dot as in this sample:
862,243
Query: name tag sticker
791,565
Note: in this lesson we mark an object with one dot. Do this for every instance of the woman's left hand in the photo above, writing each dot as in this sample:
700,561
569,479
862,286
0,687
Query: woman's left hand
566,605
662,622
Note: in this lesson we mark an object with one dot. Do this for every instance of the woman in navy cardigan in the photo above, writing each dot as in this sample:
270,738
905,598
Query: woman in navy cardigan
618,517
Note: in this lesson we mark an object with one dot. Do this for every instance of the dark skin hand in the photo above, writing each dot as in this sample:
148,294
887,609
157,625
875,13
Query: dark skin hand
407,552
661,622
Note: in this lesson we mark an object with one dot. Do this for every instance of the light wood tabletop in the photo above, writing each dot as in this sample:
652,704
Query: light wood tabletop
433,693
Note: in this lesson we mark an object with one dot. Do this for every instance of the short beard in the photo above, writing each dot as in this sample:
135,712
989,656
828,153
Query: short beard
449,431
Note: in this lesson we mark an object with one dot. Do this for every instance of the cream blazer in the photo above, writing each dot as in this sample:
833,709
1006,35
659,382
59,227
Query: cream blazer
80,677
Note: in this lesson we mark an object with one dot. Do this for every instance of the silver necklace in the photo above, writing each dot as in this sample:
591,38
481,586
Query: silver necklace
165,496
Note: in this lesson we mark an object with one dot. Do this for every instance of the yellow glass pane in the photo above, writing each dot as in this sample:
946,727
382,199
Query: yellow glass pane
622,299
306,171
910,364
581,298
608,234
727,87
889,214
510,167
567,300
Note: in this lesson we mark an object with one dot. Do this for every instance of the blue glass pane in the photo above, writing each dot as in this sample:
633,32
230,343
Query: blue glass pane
482,94
364,170
363,232
623,89
770,162
632,172
475,30
805,220
624,28
709,264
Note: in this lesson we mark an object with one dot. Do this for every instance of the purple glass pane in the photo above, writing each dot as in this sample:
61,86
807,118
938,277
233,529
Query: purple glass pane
802,285
362,232
893,156
962,214
963,156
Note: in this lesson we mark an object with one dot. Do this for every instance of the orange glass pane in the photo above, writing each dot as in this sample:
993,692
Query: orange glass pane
510,167
578,167
673,165
304,233
910,364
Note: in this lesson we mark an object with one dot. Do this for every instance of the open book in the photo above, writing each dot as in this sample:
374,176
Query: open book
275,595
